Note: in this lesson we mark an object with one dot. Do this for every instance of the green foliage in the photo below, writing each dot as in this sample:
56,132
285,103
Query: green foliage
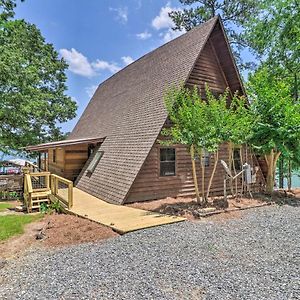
185,108
275,36
240,121
7,10
277,124
207,123
43,207
52,207
32,85
234,14
56,206
14,224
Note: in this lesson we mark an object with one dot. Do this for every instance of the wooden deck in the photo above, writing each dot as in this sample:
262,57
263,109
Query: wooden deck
122,219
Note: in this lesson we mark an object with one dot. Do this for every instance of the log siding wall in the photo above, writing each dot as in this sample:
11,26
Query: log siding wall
69,161
149,185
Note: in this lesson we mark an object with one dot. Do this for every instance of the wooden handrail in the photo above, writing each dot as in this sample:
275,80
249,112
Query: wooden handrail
39,174
65,180
55,179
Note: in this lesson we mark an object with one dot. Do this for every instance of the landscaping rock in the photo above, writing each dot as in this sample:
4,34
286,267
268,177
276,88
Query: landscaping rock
254,256
3,263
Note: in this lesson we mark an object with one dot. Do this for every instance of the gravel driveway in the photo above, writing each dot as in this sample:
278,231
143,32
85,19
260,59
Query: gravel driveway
253,257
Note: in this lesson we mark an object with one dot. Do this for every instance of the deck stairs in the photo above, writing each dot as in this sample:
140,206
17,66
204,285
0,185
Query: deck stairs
44,187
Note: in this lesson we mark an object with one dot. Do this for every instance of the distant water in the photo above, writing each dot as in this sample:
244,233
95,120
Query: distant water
295,181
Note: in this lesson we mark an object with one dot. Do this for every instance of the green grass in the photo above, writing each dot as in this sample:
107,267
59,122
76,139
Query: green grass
14,224
4,206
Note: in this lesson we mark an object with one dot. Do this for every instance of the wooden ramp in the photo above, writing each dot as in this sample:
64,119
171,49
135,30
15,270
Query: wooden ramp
122,219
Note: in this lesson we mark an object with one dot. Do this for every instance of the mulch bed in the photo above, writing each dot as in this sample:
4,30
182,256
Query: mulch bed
64,230
58,230
190,209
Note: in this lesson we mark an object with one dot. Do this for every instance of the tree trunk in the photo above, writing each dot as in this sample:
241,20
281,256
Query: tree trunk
242,163
204,199
289,175
234,173
216,158
192,151
280,172
271,160
230,161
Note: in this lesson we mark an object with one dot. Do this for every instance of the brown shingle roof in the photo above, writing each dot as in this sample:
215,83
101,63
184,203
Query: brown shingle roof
128,109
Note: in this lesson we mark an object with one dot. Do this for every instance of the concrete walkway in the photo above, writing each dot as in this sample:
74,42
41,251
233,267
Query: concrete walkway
121,218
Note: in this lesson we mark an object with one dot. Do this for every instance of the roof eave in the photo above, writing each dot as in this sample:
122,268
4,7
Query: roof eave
64,143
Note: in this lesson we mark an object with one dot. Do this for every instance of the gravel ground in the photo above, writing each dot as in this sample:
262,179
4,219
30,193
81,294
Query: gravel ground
256,256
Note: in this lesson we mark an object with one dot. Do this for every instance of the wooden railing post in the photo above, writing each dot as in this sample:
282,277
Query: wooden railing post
47,183
70,195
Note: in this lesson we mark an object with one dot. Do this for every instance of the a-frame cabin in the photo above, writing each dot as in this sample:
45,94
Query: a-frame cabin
113,152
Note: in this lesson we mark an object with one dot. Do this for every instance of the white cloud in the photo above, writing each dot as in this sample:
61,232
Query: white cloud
164,23
127,60
104,65
90,90
170,34
77,62
163,20
122,13
144,35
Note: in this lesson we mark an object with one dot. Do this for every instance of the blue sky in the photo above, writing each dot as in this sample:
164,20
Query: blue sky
97,38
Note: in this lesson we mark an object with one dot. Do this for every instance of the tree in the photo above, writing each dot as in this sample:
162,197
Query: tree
7,9
201,125
234,14
277,119
214,126
275,36
32,85
185,109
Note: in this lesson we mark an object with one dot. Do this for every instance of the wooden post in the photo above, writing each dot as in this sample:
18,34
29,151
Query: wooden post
40,161
45,162
56,186
70,195
47,183
192,151
225,189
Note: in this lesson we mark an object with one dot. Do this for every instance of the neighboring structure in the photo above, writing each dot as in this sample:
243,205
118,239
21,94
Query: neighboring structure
113,151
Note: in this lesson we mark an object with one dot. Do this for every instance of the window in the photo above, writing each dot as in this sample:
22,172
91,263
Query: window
167,161
237,159
94,162
54,156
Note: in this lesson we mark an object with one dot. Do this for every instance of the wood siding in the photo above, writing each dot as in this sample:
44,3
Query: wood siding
58,166
207,70
149,185
69,160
